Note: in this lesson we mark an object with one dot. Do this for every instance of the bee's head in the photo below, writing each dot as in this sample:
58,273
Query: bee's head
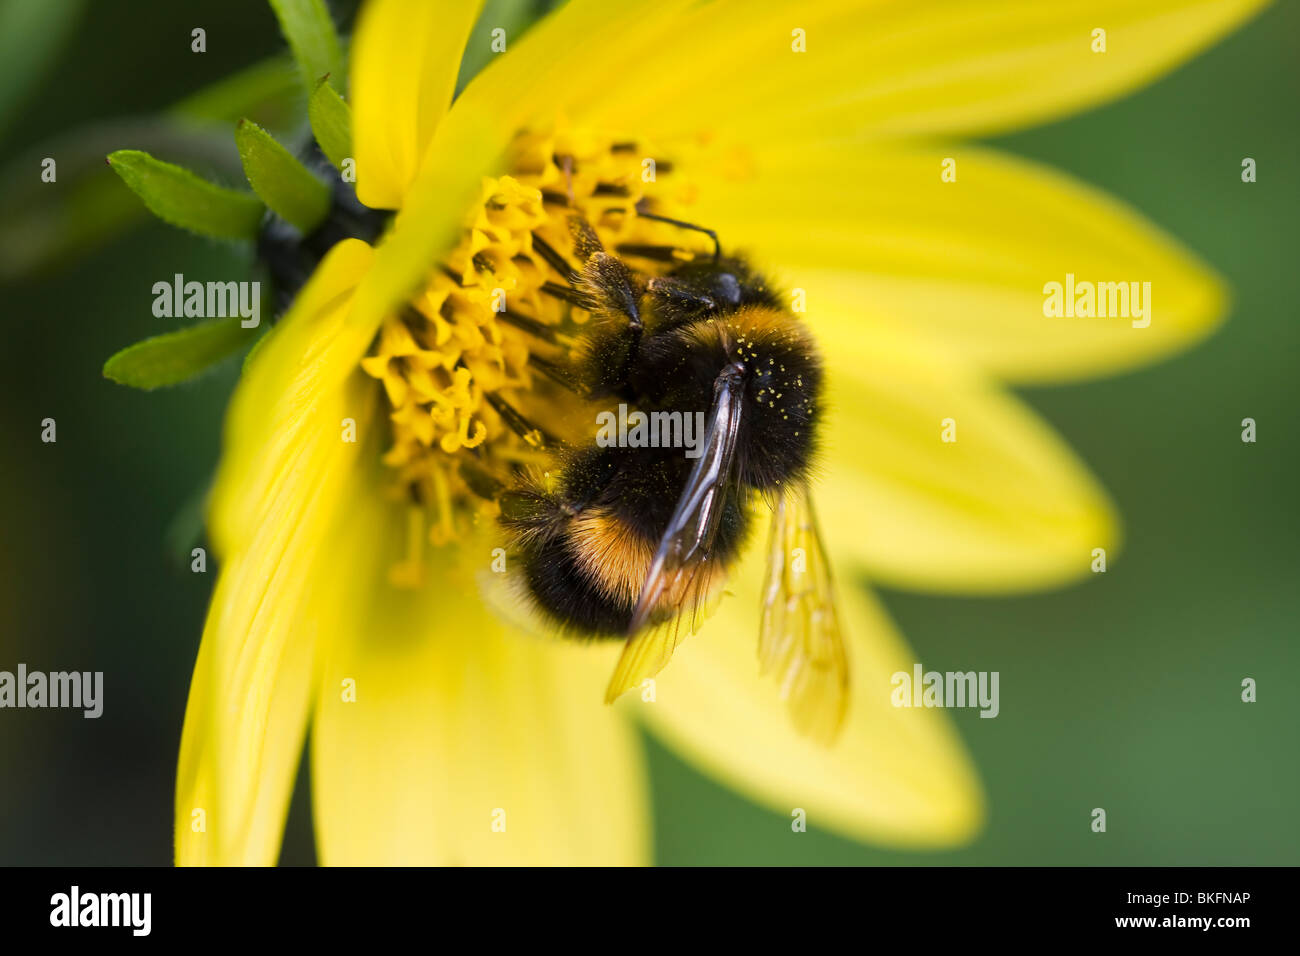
730,282
783,395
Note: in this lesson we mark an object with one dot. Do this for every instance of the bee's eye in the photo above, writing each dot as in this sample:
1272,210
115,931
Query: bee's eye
727,288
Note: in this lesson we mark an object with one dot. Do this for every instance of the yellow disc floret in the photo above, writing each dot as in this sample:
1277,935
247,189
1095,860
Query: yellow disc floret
463,364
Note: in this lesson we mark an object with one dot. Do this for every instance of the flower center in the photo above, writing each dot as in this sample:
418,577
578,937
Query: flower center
474,368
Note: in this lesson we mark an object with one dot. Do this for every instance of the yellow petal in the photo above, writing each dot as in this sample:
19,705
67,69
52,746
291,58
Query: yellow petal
641,67
308,357
1005,506
903,68
560,60
285,473
405,58
895,776
459,725
570,58
433,214
878,231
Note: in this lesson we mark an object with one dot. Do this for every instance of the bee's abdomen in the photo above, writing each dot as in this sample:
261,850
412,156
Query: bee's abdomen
561,588
587,550
583,560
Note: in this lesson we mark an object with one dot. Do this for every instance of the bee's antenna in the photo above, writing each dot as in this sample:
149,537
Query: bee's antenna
717,246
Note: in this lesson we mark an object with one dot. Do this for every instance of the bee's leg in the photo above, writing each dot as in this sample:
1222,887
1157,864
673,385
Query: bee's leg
606,287
602,285
608,282
614,292
586,243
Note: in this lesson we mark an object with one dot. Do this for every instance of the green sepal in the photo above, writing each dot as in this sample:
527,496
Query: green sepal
331,123
177,196
177,357
281,181
307,27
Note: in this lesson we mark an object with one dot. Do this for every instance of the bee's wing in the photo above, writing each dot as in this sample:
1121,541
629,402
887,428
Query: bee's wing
681,572
799,640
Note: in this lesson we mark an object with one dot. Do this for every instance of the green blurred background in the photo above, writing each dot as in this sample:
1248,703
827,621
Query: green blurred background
1122,692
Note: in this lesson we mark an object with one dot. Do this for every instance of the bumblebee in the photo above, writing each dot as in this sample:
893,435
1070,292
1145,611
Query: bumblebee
632,541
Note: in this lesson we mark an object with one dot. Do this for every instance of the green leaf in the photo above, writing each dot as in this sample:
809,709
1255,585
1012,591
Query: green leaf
283,183
307,26
177,196
331,122
177,356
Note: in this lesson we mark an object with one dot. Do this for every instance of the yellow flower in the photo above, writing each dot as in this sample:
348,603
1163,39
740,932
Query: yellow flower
813,136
